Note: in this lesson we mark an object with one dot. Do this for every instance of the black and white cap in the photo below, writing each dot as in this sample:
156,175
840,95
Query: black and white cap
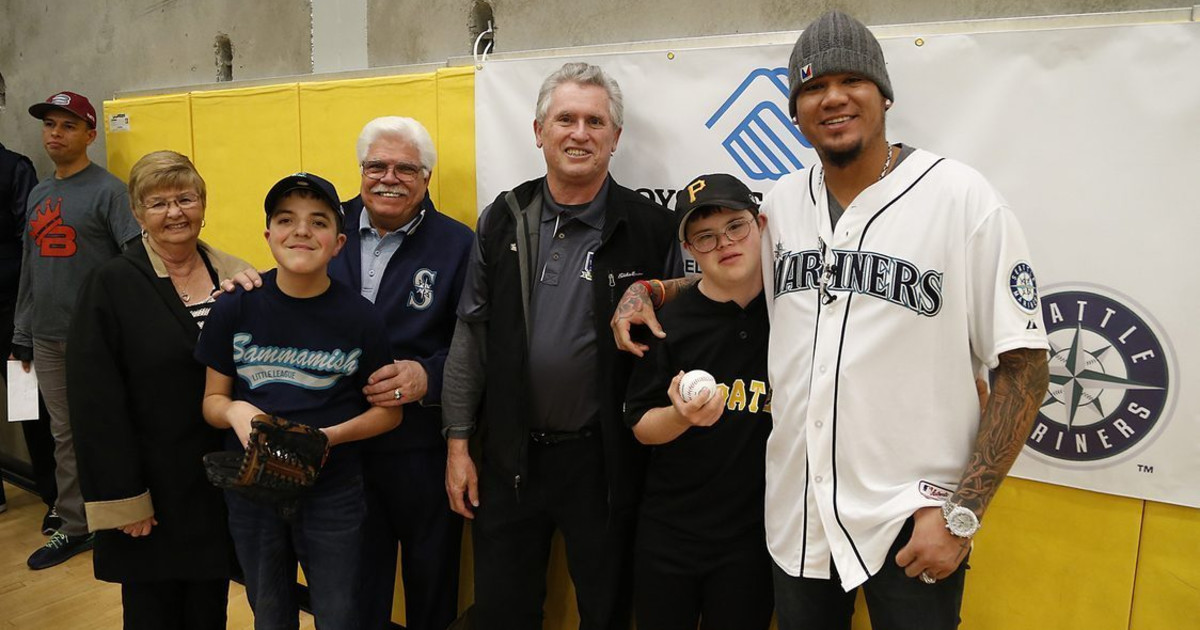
716,190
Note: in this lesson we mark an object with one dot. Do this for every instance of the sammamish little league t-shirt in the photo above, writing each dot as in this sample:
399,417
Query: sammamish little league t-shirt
303,359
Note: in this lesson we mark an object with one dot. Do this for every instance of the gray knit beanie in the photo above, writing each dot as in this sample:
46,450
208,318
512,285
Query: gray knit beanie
836,42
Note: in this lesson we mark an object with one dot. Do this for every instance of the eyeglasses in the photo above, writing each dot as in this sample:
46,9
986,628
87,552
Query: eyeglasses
185,202
708,241
402,170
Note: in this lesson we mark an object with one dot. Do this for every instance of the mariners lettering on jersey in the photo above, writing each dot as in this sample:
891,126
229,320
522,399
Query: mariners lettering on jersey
868,273
54,239
309,369
740,396
422,294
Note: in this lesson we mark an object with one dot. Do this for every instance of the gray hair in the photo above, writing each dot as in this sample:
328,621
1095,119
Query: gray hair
582,74
400,128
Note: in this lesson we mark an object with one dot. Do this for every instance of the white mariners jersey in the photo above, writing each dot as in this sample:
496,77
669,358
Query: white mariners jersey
927,280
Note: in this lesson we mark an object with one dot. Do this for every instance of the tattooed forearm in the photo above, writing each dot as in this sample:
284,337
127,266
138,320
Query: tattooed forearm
672,288
638,299
1018,391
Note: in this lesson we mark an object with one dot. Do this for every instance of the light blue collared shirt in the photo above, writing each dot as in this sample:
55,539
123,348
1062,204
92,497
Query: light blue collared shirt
377,251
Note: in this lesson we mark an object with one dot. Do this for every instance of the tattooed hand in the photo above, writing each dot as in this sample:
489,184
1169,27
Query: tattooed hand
635,307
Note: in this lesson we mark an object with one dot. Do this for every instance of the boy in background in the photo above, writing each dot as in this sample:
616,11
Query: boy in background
301,348
701,553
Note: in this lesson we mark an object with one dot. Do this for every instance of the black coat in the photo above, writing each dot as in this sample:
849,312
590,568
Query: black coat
135,393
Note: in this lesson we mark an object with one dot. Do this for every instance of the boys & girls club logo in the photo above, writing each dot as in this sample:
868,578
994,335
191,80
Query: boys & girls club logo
758,134
1111,376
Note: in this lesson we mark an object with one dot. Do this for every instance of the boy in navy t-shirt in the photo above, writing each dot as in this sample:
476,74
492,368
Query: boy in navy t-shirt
301,348
700,552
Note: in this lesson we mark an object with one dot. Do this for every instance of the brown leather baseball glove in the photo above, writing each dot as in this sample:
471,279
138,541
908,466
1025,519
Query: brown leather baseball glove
282,459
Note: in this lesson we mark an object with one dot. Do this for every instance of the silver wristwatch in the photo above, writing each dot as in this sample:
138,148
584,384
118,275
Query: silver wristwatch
961,521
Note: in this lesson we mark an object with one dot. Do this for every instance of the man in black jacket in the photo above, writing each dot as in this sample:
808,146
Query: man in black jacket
17,178
530,358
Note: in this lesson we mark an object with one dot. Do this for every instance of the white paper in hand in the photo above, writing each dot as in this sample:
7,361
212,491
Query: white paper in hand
22,393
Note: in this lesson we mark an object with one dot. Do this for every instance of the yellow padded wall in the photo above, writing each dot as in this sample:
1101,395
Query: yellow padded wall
332,113
153,124
1053,557
1166,592
456,143
244,140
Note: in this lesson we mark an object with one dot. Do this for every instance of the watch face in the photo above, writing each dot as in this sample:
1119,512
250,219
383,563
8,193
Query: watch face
962,522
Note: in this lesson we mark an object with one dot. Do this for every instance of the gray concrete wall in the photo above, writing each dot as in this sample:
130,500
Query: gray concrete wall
417,31
101,47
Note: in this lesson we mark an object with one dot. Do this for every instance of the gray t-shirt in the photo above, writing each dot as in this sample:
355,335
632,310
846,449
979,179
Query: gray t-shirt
72,226
836,210
563,360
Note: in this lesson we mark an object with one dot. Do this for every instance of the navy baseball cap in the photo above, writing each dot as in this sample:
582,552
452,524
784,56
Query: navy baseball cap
71,102
717,190
322,187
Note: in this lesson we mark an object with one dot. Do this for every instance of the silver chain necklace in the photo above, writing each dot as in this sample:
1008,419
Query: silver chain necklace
887,164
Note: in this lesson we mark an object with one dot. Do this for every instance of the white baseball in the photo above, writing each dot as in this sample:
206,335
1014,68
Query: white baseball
697,383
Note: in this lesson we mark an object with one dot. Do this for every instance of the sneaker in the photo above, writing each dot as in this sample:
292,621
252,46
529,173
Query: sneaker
51,522
58,550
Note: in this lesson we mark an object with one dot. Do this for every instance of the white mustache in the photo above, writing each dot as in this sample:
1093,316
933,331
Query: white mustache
397,189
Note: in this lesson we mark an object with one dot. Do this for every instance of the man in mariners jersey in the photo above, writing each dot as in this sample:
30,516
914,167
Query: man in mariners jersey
699,549
409,259
894,275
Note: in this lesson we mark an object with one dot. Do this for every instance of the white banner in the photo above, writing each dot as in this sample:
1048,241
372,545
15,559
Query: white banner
1092,134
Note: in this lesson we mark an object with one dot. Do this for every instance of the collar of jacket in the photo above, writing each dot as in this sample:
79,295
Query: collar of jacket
224,264
524,203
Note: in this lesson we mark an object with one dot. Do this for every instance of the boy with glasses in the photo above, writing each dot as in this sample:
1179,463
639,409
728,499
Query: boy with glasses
700,553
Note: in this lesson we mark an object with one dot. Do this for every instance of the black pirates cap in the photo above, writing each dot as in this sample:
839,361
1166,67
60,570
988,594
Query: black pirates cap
707,191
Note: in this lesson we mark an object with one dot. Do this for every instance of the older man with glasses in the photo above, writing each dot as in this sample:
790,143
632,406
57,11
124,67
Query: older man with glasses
410,260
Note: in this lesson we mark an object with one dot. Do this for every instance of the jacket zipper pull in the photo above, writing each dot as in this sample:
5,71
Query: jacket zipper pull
612,285
517,487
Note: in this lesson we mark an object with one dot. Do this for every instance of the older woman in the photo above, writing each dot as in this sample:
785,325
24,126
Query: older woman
140,436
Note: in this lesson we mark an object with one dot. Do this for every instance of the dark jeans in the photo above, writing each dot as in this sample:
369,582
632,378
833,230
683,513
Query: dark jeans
724,587
566,490
406,502
175,605
325,538
894,600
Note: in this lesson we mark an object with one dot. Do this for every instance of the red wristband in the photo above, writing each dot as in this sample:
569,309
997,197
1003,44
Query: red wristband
650,291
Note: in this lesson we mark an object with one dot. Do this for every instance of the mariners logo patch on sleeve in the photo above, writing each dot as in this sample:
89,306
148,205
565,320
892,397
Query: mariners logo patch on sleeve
1023,287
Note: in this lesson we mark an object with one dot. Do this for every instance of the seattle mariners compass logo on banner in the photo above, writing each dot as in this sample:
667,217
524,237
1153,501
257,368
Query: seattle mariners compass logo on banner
1110,377
759,136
